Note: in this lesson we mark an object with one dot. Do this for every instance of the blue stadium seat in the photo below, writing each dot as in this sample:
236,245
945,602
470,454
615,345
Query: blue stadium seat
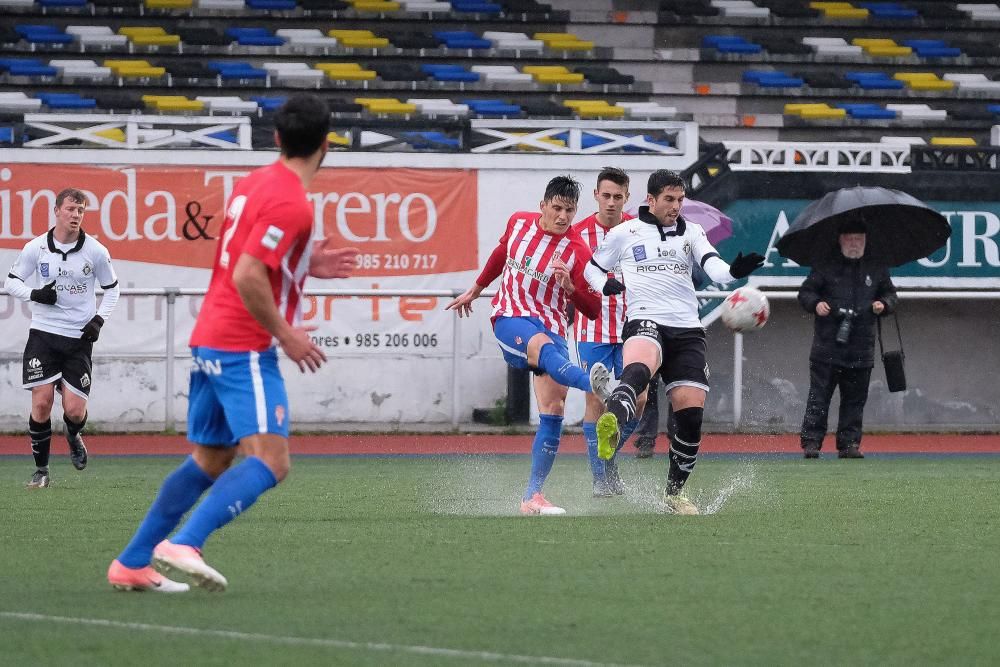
493,107
462,39
932,48
269,103
254,37
476,6
272,5
867,110
26,67
730,44
66,101
874,80
450,73
62,3
43,34
771,79
993,108
236,70
889,10
6,135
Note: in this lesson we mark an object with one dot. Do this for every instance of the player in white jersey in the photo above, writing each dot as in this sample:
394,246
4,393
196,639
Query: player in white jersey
598,340
657,253
65,324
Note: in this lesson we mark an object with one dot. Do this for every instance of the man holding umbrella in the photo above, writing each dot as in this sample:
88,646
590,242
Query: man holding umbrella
847,295
851,237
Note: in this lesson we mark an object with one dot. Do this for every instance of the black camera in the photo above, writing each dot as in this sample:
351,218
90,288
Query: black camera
846,316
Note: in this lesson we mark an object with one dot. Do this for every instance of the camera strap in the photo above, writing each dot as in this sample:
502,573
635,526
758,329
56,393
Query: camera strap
899,334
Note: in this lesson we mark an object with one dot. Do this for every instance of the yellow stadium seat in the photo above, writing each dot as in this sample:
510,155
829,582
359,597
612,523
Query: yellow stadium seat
885,48
133,69
338,139
358,39
169,103
563,41
576,45
839,10
594,109
149,36
953,141
552,74
924,81
346,71
814,110
374,5
169,4
386,105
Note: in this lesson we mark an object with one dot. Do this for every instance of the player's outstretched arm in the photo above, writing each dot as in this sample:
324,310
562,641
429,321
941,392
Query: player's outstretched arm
329,262
462,304
252,282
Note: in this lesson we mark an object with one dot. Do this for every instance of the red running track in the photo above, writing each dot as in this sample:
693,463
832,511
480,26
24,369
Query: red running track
117,445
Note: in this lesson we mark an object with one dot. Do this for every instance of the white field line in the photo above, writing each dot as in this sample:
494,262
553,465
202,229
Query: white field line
458,654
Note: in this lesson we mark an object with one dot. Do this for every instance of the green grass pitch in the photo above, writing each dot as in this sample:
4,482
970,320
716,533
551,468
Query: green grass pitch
424,561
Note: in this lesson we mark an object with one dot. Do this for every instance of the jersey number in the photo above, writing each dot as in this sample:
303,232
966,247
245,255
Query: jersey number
234,213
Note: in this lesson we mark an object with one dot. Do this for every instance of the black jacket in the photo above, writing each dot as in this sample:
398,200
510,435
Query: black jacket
847,284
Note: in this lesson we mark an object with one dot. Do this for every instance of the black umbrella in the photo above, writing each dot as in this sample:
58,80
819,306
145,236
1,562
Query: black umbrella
900,228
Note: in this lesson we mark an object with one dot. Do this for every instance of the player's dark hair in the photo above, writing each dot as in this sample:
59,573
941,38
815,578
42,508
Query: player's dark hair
302,123
564,187
662,179
613,174
72,194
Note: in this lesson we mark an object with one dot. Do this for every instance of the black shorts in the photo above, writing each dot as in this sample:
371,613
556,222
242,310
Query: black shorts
683,352
49,357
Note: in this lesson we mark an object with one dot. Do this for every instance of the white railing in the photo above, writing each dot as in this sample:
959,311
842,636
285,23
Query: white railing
172,293
818,156
139,132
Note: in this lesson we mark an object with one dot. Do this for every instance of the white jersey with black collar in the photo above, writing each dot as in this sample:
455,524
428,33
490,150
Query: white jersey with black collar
656,266
76,269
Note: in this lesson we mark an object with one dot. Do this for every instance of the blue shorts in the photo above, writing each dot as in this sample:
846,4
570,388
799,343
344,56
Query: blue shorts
609,354
235,394
513,334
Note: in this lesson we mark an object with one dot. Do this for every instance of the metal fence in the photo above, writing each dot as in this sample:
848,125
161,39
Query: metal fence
171,295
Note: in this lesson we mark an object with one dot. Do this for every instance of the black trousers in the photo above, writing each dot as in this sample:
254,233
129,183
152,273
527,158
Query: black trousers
853,385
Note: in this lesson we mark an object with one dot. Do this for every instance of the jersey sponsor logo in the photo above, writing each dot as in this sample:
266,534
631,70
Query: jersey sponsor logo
665,267
639,253
43,269
272,237
279,414
524,267
34,363
79,288
665,252
85,380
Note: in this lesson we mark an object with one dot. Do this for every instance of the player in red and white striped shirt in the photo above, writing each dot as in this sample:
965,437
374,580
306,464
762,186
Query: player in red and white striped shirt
540,259
598,339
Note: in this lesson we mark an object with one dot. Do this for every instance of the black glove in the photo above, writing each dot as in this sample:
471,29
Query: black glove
613,286
92,329
744,266
46,295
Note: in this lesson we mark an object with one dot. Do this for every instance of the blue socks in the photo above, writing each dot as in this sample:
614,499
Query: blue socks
590,435
543,452
561,369
179,492
596,464
232,494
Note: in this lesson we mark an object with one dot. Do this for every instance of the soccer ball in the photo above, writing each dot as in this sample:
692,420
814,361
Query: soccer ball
745,309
